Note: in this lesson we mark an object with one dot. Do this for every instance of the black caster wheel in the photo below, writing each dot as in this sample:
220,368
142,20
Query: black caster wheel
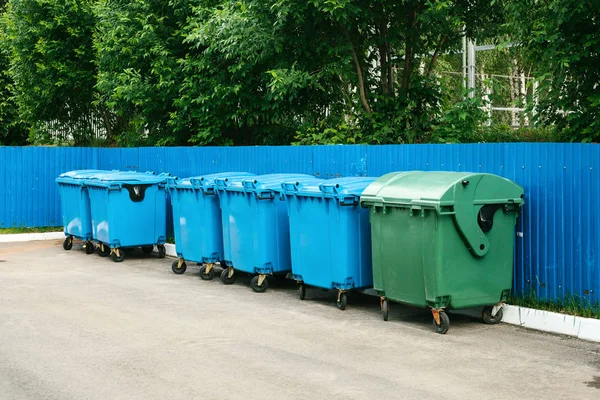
147,249
162,252
487,317
177,269
204,275
385,309
118,258
301,291
68,243
89,247
444,325
105,252
225,278
342,302
261,288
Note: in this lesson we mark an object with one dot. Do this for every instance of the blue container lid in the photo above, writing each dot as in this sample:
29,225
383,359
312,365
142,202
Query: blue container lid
347,190
77,177
342,187
206,183
263,185
125,177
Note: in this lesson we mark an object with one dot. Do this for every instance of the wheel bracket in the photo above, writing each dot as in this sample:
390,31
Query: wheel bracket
436,314
497,308
180,262
209,267
230,272
261,279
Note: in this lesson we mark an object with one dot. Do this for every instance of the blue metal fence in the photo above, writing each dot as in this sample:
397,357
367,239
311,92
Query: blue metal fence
558,240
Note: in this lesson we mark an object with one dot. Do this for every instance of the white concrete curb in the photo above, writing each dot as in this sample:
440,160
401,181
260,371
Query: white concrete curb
27,237
170,249
547,321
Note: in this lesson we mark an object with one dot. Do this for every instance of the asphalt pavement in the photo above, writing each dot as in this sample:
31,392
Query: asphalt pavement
77,326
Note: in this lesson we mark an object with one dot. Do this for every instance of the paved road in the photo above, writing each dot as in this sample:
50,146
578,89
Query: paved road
82,327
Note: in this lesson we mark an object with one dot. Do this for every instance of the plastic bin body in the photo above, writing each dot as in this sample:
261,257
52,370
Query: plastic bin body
443,239
256,235
330,234
197,217
129,209
75,203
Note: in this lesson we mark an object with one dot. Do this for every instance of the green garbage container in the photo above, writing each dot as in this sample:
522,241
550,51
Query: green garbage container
443,240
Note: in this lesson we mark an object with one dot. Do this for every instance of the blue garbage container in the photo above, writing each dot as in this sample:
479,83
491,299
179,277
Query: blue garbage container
75,207
129,209
197,221
330,235
256,235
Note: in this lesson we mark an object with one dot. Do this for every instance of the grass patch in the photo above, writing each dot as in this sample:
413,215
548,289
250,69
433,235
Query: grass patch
171,240
42,229
570,305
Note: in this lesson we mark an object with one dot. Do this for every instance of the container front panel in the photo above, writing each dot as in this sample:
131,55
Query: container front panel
310,240
331,244
125,223
256,233
75,205
187,223
397,255
99,210
470,281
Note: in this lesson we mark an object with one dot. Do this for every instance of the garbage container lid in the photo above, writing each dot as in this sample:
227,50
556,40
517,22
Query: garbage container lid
77,177
126,177
260,183
470,198
437,189
204,181
339,188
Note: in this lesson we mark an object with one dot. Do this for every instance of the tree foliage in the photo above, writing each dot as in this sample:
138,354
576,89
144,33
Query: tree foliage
204,72
51,60
561,38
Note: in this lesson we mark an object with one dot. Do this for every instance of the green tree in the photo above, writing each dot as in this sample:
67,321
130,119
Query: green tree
561,39
52,63
12,131
139,45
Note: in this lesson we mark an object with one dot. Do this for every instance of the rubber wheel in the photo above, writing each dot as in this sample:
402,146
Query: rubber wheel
486,315
177,269
444,325
225,277
162,252
120,258
147,249
104,253
261,288
68,243
301,291
385,309
342,302
206,276
89,247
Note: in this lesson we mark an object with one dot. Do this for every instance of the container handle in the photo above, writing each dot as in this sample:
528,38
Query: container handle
196,182
329,187
349,201
290,186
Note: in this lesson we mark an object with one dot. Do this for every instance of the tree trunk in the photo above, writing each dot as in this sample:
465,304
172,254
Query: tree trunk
384,58
361,82
436,54
409,51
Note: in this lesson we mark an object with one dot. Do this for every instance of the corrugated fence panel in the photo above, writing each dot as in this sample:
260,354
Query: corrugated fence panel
558,240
